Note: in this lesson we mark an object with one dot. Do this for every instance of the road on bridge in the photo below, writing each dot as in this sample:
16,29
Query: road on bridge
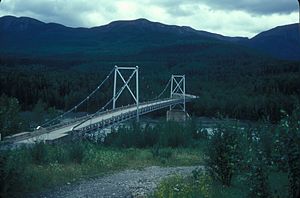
63,131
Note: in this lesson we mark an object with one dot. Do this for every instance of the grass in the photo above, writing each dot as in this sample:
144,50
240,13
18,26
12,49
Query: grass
279,184
185,157
47,166
204,186
198,185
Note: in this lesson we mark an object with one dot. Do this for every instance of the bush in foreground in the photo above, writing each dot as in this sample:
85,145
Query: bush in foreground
198,185
165,134
223,153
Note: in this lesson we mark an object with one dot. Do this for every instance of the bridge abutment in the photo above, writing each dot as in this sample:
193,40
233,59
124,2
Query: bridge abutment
177,115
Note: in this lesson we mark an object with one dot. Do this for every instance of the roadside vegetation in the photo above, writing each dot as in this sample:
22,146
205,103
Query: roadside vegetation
258,161
42,166
261,160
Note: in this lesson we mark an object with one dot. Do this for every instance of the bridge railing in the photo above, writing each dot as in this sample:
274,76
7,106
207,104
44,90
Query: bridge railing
126,116
107,122
87,117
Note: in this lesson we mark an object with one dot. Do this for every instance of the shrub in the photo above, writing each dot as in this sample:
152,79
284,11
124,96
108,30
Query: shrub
258,176
290,130
162,154
103,159
166,134
172,134
223,153
178,186
77,152
39,153
13,178
132,136
59,153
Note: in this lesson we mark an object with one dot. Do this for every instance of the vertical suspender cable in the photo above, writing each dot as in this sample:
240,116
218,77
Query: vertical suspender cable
80,103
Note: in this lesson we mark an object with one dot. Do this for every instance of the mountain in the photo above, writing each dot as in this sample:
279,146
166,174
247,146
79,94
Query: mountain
145,26
282,42
137,40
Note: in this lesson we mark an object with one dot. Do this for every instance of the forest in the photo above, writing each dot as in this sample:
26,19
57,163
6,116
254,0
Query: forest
257,160
245,88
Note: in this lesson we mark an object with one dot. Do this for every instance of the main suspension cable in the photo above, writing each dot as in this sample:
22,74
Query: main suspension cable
80,103
102,108
163,90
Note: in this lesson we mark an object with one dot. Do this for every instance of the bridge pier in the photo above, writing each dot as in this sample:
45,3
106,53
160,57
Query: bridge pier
177,112
177,115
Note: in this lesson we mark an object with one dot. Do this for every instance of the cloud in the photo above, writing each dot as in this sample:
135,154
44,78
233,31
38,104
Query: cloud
228,17
234,22
259,7
67,12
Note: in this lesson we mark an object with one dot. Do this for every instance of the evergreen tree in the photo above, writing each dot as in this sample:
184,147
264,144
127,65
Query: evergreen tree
258,175
291,127
39,112
10,121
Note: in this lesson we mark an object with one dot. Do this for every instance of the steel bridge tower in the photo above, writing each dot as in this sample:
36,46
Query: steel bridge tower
178,89
177,112
135,95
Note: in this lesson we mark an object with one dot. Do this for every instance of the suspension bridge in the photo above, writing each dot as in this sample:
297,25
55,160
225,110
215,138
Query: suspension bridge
105,117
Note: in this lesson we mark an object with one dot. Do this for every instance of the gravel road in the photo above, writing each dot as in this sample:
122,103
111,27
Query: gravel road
128,183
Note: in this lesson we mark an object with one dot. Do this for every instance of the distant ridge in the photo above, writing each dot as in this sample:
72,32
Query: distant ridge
281,41
24,35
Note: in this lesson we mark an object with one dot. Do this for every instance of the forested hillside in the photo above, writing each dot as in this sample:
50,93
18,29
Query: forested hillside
57,66
250,87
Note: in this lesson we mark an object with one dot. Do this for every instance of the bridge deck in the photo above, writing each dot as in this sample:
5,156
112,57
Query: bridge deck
103,120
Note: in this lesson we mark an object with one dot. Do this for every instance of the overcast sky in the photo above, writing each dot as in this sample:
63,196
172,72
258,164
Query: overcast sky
227,17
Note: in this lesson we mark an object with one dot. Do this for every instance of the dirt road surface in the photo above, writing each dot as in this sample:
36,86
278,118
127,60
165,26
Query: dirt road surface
128,183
